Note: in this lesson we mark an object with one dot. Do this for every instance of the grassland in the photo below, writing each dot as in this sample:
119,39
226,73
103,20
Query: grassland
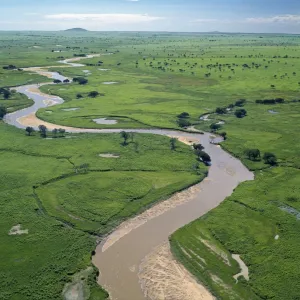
158,76
65,209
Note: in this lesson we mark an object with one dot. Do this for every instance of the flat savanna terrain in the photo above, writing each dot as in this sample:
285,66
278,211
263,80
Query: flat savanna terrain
67,195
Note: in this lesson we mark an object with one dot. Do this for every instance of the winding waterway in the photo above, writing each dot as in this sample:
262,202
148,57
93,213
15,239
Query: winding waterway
134,261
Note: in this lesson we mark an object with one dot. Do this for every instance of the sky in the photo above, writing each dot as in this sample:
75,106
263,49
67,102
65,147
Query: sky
252,16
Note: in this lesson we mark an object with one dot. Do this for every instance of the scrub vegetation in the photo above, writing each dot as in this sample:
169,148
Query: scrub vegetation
244,87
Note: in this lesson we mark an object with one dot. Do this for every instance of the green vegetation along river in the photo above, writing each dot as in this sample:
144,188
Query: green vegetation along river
137,252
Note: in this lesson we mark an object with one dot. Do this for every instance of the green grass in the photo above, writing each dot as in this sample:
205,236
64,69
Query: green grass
246,224
41,190
64,206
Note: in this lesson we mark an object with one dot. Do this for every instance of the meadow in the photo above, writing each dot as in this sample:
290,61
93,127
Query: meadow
76,195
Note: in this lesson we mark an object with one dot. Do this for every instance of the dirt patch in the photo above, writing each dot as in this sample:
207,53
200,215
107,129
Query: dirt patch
163,278
244,269
188,141
16,230
78,289
157,210
109,155
109,82
105,121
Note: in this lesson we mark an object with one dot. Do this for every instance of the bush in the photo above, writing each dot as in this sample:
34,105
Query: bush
221,111
184,123
80,80
215,126
93,94
3,111
240,102
270,158
184,115
240,113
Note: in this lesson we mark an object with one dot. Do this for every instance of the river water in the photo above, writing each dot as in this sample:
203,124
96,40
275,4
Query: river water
119,262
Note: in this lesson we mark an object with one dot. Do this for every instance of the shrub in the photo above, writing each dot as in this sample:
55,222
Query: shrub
240,113
270,158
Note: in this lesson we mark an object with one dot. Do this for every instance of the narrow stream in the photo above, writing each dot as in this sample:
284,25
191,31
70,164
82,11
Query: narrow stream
119,259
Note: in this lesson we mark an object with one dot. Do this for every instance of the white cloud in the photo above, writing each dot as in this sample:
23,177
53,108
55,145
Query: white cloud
106,18
275,19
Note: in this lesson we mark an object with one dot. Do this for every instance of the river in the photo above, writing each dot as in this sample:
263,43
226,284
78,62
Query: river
138,244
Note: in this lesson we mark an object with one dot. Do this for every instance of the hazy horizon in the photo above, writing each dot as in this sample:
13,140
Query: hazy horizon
234,16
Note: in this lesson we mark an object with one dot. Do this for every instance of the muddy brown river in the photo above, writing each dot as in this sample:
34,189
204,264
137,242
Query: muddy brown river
135,262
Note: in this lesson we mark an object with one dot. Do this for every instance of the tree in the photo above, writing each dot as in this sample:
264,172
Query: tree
6,93
252,154
54,132
56,81
93,94
78,96
270,158
29,130
223,135
183,115
240,102
66,80
203,156
43,131
61,132
198,147
183,123
173,143
240,113
80,80
125,135
215,126
3,111
221,110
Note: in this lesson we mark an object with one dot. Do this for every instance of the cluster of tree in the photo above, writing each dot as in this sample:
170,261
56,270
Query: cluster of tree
80,80
93,94
224,110
79,55
10,67
270,101
5,92
215,126
3,111
44,131
240,113
59,81
202,156
255,155
183,120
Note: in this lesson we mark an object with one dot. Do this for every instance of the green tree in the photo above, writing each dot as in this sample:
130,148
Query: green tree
54,132
61,132
93,94
240,113
3,111
270,158
125,135
173,142
215,126
203,156
252,154
198,147
183,123
29,130
43,131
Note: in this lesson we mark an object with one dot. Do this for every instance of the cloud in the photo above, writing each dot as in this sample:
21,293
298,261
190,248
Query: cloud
132,0
106,18
282,19
275,19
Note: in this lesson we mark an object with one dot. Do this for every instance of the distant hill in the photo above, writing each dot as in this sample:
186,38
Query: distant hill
77,29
